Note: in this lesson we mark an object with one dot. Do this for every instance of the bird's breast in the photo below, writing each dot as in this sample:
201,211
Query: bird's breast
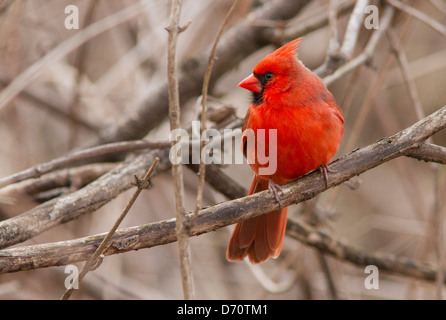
299,139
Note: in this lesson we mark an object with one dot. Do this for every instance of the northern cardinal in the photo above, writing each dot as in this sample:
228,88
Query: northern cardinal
290,98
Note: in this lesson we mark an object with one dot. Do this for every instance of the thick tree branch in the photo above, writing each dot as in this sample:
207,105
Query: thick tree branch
229,212
163,232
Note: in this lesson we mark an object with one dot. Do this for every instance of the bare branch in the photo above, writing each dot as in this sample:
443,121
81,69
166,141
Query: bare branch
333,27
207,78
316,22
413,92
104,189
419,15
345,252
177,173
368,51
54,110
404,65
354,24
428,152
337,56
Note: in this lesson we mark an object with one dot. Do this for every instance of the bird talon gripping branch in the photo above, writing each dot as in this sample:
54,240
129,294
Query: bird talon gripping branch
275,188
325,169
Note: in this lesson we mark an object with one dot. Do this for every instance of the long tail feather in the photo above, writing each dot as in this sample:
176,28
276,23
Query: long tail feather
261,237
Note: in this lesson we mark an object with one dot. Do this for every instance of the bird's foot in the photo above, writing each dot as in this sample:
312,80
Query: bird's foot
325,169
275,188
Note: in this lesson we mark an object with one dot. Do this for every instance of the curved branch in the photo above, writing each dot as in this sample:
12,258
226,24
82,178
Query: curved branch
428,153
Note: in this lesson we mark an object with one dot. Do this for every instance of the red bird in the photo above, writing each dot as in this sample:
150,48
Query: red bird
290,98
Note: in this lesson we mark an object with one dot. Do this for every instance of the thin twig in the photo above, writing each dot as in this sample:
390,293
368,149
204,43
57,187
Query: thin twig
46,105
93,260
437,214
207,78
80,64
369,50
333,27
174,115
404,67
332,288
419,15
440,5
315,22
337,56
353,27
439,228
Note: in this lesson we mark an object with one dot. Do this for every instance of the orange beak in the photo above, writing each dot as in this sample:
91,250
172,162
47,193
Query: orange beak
251,83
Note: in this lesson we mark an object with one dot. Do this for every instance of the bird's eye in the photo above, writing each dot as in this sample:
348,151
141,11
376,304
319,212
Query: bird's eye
269,76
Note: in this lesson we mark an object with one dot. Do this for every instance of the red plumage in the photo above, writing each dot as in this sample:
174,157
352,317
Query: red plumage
290,98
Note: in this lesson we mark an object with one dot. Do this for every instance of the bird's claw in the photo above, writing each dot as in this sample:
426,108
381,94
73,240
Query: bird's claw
275,188
325,169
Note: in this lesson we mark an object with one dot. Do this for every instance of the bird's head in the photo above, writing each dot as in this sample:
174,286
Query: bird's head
274,74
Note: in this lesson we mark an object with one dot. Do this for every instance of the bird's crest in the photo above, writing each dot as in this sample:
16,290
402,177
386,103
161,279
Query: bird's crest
284,58
289,49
